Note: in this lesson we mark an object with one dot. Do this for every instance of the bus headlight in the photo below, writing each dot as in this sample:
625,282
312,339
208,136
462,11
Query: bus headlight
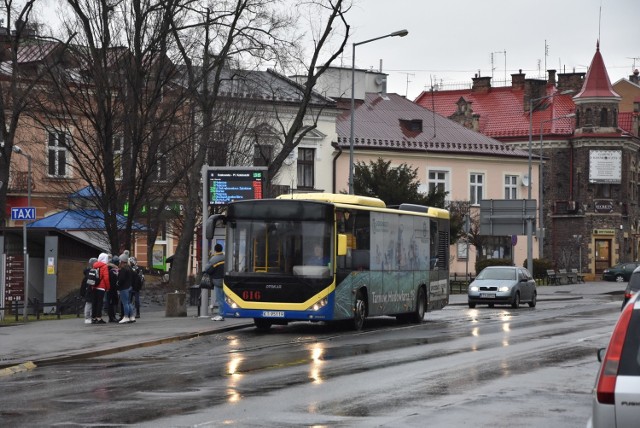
230,302
318,305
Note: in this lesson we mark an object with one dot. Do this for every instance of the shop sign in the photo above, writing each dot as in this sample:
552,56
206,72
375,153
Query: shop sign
603,206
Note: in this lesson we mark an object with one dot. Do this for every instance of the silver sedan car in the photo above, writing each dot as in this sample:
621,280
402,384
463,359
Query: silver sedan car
616,396
507,285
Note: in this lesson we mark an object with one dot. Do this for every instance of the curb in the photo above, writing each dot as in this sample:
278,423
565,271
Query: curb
23,367
29,365
555,299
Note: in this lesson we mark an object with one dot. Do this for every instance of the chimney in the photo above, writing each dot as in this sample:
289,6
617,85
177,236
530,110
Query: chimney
517,80
552,77
634,77
533,88
481,84
570,81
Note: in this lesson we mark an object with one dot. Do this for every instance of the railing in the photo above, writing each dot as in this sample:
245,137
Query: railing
17,306
459,282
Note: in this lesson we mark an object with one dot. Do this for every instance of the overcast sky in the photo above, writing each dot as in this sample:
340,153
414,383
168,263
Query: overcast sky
451,40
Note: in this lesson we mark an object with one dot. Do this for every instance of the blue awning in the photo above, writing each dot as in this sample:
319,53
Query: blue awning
88,219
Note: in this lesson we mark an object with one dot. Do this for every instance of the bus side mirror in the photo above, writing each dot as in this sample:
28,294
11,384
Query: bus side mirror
342,244
210,225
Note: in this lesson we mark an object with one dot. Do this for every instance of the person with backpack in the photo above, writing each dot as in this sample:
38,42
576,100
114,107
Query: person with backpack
100,271
85,291
112,295
138,283
125,285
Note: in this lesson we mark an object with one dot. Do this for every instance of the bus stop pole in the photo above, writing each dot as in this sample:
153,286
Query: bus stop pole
204,293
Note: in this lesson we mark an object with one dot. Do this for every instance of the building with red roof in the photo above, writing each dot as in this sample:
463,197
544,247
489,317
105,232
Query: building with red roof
591,175
467,164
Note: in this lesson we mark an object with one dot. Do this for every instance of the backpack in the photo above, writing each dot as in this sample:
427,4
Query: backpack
93,277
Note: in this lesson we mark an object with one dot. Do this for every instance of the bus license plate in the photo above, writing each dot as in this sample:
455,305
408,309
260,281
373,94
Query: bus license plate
273,314
488,295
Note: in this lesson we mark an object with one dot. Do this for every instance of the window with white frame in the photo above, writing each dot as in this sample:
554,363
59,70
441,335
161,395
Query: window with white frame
57,153
476,187
262,154
306,160
511,187
437,181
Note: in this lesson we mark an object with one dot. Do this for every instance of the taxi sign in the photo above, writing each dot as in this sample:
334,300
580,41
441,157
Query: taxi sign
23,213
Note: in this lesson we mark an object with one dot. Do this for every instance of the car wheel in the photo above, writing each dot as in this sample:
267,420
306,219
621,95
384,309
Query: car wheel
418,315
532,303
516,301
262,324
472,305
619,278
359,311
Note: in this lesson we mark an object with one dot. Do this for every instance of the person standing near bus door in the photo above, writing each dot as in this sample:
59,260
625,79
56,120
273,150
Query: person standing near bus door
215,269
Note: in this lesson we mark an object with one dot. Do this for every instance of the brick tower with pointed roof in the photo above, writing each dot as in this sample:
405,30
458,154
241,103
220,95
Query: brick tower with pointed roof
597,104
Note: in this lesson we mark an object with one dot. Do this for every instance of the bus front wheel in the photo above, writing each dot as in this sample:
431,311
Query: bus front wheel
262,324
359,311
418,315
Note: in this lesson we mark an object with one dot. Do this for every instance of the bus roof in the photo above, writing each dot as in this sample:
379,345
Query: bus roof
363,201
339,198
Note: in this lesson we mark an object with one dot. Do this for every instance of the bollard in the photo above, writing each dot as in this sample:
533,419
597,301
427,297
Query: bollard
176,305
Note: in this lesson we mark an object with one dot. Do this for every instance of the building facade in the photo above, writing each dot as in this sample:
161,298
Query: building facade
590,162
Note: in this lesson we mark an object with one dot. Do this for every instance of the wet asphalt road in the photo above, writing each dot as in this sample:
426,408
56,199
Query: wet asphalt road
479,367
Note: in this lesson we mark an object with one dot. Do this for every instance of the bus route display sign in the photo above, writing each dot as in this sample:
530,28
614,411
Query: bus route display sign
228,184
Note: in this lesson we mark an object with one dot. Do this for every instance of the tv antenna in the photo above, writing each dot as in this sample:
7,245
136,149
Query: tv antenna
504,52
406,92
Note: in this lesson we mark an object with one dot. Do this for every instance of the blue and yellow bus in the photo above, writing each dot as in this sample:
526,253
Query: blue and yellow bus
332,257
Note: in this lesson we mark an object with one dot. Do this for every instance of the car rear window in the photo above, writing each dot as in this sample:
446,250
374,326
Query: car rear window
630,359
634,281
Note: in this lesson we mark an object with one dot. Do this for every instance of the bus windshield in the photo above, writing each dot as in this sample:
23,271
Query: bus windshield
283,247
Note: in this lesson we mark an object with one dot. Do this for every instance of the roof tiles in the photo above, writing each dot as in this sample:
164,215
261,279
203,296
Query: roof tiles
378,126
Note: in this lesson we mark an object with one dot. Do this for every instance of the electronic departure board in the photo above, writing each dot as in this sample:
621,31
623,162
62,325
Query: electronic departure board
232,184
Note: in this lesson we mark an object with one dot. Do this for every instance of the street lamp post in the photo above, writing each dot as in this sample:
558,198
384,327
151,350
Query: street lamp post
400,33
540,185
19,151
530,220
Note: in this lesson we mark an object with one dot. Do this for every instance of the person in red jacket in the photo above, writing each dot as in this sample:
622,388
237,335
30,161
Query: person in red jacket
99,290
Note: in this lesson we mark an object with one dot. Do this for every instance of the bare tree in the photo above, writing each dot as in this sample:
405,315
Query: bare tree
116,102
245,32
18,79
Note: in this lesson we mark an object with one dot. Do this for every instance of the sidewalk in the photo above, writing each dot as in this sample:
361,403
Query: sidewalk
48,342
54,341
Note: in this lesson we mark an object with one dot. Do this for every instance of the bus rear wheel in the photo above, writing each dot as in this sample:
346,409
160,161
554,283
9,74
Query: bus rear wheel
262,324
359,311
417,316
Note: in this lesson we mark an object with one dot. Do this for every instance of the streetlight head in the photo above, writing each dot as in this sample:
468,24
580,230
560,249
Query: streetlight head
17,149
400,33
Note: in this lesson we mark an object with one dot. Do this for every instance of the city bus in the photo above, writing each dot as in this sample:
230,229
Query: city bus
323,257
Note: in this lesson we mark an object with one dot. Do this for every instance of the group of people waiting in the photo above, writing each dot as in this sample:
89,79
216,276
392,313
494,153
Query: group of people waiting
118,288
